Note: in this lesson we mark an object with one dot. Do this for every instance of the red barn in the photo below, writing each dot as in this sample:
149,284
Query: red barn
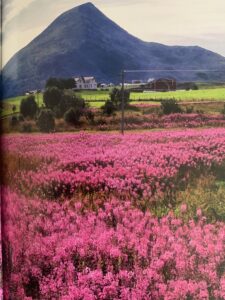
162,85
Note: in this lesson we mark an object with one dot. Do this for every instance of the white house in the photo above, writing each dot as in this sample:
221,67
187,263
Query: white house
85,83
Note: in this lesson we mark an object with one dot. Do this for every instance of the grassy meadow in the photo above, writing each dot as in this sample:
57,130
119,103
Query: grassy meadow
179,95
96,99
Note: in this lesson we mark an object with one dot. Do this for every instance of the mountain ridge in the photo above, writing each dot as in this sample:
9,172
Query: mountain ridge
84,41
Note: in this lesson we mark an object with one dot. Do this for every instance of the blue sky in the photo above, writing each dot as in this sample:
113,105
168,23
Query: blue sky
172,22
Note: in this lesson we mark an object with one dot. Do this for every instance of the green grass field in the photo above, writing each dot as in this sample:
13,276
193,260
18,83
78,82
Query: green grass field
96,98
203,94
94,95
196,95
10,102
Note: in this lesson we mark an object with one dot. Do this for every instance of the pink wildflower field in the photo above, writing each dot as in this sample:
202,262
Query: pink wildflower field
177,120
95,216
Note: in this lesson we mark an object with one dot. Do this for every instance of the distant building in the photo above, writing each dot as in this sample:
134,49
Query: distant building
85,83
137,81
103,85
27,93
162,85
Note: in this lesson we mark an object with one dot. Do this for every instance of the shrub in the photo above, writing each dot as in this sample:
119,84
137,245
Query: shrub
223,110
101,121
72,116
195,87
200,111
14,121
14,108
116,97
109,108
52,97
89,115
28,107
26,127
189,110
170,106
69,100
46,121
20,118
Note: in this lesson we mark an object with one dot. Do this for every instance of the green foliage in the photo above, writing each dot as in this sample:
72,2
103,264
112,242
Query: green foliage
187,86
195,87
206,194
98,98
14,121
190,110
69,100
20,118
60,83
116,96
28,107
46,121
52,97
170,106
109,108
14,108
72,116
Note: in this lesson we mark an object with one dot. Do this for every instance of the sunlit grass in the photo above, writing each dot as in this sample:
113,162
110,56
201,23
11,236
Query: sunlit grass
97,98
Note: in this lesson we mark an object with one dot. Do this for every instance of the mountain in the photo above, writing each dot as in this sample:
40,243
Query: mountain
83,41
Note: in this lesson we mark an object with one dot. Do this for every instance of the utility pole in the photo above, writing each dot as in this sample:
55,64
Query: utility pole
122,102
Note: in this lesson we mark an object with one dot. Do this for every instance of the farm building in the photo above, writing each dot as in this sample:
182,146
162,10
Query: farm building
137,81
85,83
162,85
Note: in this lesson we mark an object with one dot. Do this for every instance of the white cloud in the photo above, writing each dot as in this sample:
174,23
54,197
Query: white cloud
192,22
12,8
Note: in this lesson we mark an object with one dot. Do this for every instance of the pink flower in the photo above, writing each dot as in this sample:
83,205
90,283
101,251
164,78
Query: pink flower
199,212
183,208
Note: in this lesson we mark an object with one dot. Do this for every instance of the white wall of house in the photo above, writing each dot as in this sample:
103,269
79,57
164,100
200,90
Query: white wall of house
85,83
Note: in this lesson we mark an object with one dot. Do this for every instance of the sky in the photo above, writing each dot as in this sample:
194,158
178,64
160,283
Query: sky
171,22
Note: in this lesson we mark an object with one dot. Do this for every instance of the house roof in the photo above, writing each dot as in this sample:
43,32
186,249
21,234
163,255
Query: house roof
84,79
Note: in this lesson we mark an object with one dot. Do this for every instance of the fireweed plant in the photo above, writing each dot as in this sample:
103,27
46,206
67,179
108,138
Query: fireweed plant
97,216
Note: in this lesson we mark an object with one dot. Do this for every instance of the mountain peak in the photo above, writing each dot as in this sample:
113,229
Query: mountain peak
84,41
85,7
87,4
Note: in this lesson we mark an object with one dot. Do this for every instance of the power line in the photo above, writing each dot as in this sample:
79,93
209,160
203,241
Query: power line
173,70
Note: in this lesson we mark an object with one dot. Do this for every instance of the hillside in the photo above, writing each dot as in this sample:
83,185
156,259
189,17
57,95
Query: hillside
83,41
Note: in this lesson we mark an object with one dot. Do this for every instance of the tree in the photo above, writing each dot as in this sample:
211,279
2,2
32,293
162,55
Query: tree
28,107
69,100
109,108
72,116
46,121
1,107
116,97
53,82
14,108
52,97
68,83
170,106
60,83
